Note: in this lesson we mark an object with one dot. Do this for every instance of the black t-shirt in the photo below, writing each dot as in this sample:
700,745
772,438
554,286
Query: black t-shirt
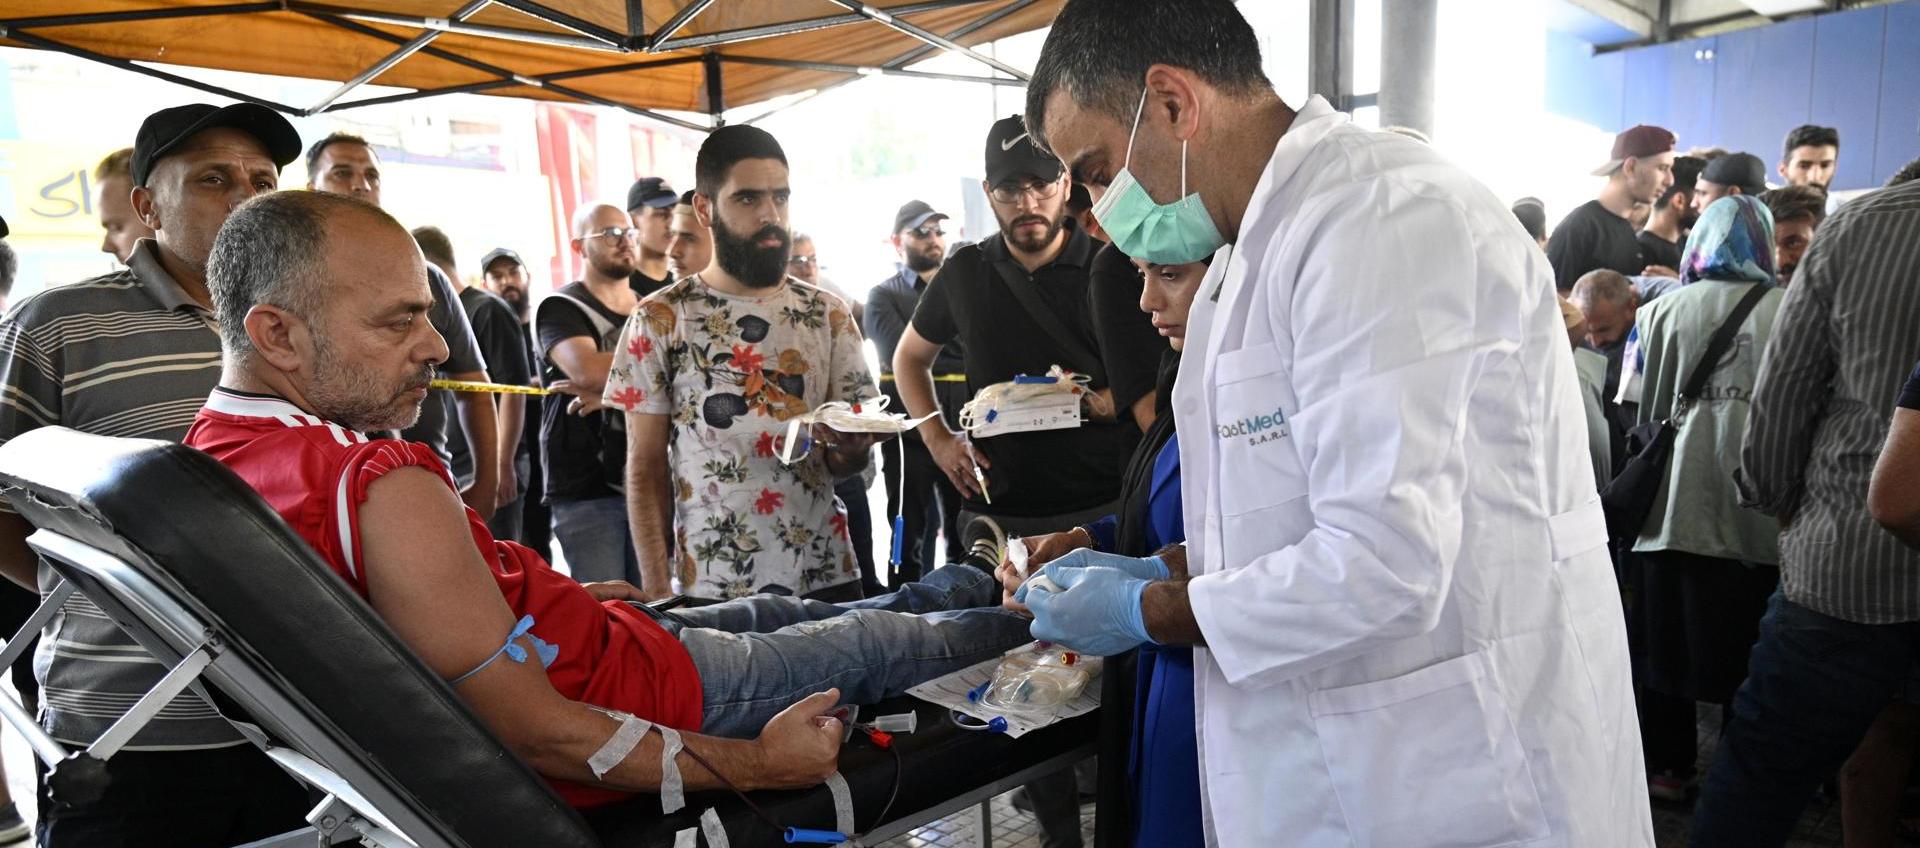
644,285
1130,348
1049,472
1910,396
1590,237
503,344
439,424
889,309
585,456
1655,250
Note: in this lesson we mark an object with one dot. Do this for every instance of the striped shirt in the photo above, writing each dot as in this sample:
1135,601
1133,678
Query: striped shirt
129,354
1846,336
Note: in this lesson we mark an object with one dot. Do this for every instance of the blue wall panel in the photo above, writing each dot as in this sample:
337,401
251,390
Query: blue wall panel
1671,86
1583,86
1847,52
1898,139
1763,80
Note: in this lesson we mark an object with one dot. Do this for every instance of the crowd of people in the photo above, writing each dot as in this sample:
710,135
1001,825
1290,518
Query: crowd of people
1737,352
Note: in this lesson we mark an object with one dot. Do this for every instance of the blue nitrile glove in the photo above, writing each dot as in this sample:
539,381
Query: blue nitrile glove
1149,568
1097,610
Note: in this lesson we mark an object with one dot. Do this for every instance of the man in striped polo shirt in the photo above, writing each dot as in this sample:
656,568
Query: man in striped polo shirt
1842,635
134,354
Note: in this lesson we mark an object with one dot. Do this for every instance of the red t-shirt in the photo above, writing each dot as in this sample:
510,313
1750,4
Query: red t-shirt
315,474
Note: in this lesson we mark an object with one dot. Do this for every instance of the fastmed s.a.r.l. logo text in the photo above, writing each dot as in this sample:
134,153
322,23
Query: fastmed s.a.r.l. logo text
1257,429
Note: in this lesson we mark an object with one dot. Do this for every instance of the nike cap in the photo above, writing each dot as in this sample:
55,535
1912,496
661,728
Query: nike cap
1011,154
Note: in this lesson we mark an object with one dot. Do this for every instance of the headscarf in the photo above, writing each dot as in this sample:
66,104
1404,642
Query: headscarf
1732,241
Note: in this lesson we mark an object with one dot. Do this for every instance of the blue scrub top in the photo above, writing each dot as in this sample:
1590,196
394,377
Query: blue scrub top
1163,769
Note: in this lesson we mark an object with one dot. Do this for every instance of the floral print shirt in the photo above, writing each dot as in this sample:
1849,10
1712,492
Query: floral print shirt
730,371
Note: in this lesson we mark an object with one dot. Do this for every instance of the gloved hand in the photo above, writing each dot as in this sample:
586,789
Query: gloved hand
1148,568
1096,612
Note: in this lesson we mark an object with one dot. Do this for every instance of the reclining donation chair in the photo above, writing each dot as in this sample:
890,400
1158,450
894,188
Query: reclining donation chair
194,566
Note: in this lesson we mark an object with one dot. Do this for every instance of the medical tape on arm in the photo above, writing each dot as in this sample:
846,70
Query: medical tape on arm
710,825
842,802
620,744
673,794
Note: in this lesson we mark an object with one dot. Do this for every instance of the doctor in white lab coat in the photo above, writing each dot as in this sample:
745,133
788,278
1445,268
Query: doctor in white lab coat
1408,628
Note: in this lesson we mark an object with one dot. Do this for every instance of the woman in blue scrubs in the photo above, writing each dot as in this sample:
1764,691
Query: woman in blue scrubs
1152,721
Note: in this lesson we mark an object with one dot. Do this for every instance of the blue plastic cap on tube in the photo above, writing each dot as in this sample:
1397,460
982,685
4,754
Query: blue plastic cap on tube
798,835
899,542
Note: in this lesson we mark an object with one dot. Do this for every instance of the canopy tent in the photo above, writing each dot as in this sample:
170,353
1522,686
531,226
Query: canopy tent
702,56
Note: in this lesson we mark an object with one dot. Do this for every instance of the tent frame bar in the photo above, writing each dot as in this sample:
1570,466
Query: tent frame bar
505,78
753,33
864,70
531,8
133,15
552,39
396,57
673,25
888,18
46,43
589,36
899,63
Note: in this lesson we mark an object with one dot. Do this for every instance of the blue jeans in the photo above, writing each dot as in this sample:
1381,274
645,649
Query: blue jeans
1814,685
596,540
758,655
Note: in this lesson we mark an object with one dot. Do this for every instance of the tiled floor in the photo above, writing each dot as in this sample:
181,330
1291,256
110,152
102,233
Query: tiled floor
1819,828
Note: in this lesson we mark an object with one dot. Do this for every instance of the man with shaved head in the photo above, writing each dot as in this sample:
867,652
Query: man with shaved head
134,353
575,332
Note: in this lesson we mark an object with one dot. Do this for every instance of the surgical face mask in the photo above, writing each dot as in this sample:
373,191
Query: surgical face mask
1164,234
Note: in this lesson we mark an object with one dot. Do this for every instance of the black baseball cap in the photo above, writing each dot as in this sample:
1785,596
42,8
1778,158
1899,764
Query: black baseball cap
651,192
1744,170
1533,216
163,131
912,215
486,262
1011,153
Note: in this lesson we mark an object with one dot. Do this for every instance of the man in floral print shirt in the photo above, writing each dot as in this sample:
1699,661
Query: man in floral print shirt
709,371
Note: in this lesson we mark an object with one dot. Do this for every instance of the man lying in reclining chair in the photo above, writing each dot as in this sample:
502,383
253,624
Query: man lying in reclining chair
321,301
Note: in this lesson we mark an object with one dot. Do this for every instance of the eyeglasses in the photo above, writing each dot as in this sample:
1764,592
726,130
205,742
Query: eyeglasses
1011,193
614,233
928,232
802,261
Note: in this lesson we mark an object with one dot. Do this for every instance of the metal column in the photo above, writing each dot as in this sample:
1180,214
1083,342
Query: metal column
1330,51
1409,30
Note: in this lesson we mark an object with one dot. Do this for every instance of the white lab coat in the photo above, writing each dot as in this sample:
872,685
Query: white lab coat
1415,635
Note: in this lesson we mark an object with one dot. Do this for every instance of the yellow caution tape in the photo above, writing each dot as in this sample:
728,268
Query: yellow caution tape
938,378
491,388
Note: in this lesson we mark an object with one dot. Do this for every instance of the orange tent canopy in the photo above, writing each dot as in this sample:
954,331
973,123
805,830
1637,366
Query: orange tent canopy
640,55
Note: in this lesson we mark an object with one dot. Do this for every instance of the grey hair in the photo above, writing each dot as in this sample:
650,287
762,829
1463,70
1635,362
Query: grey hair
1602,285
1098,51
272,251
